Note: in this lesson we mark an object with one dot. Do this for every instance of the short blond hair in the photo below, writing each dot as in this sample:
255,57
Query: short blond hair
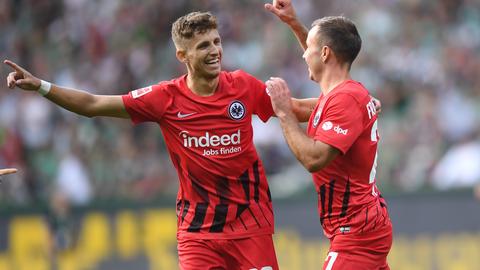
193,23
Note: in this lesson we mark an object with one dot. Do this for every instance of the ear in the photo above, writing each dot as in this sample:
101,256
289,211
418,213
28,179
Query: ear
181,55
326,53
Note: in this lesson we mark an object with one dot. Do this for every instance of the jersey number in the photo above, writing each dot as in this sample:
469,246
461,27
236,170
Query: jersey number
374,138
331,257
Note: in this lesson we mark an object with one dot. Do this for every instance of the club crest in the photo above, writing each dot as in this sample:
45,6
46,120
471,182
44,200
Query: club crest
316,119
236,110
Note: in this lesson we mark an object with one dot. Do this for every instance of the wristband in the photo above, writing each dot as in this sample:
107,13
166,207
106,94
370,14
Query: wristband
44,87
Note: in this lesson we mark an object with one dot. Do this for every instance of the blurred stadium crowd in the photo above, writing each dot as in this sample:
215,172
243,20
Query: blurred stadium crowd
420,58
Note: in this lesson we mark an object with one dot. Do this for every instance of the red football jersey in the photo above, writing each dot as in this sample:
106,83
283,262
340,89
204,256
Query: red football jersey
346,119
223,192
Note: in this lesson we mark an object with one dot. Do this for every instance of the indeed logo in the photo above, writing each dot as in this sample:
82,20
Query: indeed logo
208,140
340,130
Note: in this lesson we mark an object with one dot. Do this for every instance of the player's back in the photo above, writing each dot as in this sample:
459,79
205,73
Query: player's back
349,201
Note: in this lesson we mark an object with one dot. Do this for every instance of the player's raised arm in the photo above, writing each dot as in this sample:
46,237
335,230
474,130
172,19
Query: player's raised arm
312,154
76,101
284,10
7,171
303,108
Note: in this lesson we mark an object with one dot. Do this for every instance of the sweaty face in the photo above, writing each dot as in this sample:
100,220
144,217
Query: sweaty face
204,54
312,54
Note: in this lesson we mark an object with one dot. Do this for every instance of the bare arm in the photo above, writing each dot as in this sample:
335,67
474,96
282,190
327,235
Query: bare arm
7,171
76,101
284,10
303,108
314,155
86,104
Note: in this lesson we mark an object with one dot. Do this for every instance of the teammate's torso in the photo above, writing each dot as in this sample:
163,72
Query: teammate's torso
346,119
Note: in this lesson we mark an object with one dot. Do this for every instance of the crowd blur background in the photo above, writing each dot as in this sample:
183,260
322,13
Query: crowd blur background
420,58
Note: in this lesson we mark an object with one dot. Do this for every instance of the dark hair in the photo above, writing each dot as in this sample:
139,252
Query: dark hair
341,35
193,23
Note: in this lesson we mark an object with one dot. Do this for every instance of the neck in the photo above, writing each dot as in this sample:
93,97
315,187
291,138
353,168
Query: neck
202,86
332,77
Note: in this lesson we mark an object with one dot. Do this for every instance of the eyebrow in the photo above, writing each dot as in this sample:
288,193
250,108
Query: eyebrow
203,43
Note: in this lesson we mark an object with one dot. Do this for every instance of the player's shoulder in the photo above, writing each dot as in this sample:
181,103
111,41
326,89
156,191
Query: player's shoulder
351,90
239,76
154,90
171,86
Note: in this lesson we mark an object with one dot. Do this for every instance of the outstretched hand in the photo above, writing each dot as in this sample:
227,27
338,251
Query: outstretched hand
7,171
283,9
280,96
21,77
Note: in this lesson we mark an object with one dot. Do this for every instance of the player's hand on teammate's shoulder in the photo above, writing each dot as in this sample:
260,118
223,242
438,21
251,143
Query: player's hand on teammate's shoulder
7,171
283,9
280,96
21,77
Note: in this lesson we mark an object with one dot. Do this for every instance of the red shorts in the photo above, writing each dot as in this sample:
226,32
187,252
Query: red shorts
363,251
255,253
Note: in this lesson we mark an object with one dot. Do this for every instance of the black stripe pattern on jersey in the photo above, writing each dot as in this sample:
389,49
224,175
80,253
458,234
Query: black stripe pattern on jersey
186,205
200,208
322,200
221,210
330,198
263,214
346,198
219,218
223,190
256,221
245,181
198,219
179,207
203,193
240,209
366,220
257,181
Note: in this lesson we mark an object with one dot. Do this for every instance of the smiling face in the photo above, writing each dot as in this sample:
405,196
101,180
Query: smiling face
203,54
198,44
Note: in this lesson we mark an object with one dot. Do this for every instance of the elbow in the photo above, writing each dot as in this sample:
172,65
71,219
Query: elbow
314,164
90,110
312,167
87,113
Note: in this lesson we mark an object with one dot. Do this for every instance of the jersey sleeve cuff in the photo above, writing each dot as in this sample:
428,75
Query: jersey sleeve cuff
128,107
342,148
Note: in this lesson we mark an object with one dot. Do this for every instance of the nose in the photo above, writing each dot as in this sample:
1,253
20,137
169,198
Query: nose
304,54
216,50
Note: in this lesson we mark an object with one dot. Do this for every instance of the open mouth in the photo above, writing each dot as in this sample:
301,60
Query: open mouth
213,62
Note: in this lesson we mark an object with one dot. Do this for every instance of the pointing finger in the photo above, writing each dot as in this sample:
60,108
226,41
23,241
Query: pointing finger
14,66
